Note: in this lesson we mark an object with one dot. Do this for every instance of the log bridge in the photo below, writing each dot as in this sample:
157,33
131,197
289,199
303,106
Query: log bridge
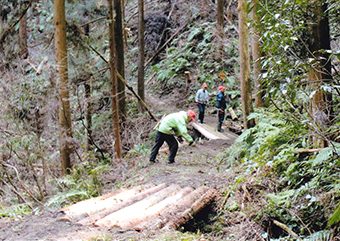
144,207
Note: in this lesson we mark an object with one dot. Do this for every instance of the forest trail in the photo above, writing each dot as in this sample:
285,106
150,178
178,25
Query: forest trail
148,206
195,166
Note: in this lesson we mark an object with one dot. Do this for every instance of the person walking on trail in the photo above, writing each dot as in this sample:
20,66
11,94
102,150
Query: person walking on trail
202,99
170,126
221,104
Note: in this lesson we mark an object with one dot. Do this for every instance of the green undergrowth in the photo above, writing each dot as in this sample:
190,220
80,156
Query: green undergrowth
285,185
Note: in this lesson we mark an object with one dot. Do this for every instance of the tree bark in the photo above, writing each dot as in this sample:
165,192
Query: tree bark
120,58
256,58
220,29
23,50
13,23
88,115
141,57
246,95
320,71
114,99
65,126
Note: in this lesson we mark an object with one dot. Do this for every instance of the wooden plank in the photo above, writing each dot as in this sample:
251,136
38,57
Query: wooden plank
93,218
134,210
232,113
211,134
204,132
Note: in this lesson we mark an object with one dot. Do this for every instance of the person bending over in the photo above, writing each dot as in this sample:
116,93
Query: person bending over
170,126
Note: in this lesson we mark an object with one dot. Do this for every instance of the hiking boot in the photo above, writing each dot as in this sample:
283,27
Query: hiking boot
152,161
171,162
219,127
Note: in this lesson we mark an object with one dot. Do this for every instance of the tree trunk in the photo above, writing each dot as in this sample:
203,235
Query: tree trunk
256,58
220,29
23,50
119,38
88,116
114,99
63,86
320,72
246,96
141,57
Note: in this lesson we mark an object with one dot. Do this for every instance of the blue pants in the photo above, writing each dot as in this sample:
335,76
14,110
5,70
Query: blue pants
170,140
201,108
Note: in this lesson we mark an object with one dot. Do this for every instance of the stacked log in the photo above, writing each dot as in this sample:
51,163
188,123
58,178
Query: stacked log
115,219
168,214
143,207
93,218
85,208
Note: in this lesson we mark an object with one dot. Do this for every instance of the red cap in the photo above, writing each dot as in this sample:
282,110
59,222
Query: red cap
221,88
192,114
204,85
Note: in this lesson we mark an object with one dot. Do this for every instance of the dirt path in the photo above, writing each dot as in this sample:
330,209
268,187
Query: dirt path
195,166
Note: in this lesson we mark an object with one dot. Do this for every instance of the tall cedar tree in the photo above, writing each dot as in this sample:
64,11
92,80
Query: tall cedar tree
65,127
246,96
141,58
320,72
23,50
220,29
256,57
115,111
119,40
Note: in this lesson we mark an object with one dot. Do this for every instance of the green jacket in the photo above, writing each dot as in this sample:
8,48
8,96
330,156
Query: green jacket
175,124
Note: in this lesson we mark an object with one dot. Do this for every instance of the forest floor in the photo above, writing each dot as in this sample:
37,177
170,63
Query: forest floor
195,166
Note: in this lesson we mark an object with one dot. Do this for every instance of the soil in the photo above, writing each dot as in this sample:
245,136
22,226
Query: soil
195,166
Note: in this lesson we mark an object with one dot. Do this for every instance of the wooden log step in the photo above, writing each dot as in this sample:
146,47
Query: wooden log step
135,209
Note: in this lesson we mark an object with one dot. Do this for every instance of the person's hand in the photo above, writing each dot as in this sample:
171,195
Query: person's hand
180,139
197,103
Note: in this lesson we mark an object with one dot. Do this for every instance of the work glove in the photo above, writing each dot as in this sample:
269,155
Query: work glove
194,137
197,103
180,139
